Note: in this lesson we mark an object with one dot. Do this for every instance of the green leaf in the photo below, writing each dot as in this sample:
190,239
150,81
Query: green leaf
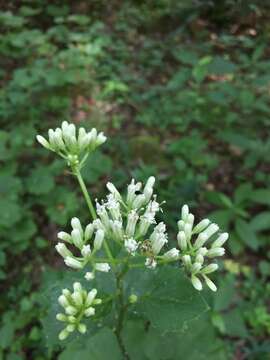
261,196
40,181
261,221
197,341
242,193
234,324
166,297
222,218
100,346
246,234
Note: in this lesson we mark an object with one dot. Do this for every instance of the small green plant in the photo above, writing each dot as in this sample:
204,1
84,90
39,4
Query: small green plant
124,235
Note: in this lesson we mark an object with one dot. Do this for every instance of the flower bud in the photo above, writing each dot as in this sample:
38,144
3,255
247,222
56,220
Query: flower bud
73,263
213,228
62,235
98,239
187,230
82,328
190,219
63,250
184,212
148,189
210,283
77,298
139,201
77,286
219,251
199,259
63,301
70,328
43,142
90,297
77,238
180,225
88,231
182,242
114,191
86,251
196,282
89,276
63,334
220,240
202,225
172,254
186,260
195,268
101,138
89,311
71,310
76,224
61,317
209,268
200,241
104,267
133,299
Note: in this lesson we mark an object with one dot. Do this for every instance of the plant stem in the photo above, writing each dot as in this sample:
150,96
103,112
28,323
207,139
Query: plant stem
86,194
92,211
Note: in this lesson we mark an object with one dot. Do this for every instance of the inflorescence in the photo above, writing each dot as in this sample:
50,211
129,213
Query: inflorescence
130,221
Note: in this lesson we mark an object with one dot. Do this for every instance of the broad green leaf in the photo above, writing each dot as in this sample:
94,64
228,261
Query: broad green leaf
246,234
100,346
261,196
242,193
261,221
197,341
166,297
234,323
222,218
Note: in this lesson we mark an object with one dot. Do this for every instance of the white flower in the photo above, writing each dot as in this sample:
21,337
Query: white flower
77,238
131,246
150,263
114,191
202,225
182,242
209,268
104,267
148,189
62,235
131,192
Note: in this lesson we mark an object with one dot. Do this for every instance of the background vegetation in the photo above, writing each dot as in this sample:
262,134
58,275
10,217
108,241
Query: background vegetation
182,90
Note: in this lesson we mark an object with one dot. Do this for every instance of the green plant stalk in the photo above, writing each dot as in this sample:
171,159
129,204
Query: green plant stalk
88,200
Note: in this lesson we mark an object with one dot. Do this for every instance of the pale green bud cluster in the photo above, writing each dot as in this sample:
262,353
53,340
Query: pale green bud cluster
70,143
77,305
195,255
88,241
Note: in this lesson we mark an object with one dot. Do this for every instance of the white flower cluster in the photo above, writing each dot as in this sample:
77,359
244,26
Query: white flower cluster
195,256
81,240
127,220
77,305
70,143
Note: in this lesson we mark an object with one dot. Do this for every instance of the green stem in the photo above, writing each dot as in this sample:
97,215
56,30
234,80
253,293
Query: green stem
85,193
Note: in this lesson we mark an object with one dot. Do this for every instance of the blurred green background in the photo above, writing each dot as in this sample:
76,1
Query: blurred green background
181,88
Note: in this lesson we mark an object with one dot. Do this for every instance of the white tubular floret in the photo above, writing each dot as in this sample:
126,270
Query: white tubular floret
172,254
184,212
220,240
182,241
201,226
215,252
77,238
63,250
73,263
196,282
103,267
98,239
